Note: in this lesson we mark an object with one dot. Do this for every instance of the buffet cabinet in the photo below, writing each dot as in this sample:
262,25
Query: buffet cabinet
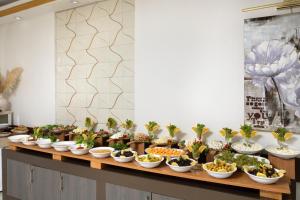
28,175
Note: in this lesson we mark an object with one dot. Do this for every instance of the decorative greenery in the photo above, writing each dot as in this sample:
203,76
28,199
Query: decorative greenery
42,132
173,130
119,146
87,138
37,133
90,124
112,124
282,134
153,128
200,130
196,148
228,134
247,131
8,84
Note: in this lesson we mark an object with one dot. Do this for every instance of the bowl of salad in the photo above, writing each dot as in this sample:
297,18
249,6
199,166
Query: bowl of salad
264,174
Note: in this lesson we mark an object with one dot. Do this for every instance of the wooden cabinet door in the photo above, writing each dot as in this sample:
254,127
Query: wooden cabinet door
45,184
77,188
116,192
18,179
161,197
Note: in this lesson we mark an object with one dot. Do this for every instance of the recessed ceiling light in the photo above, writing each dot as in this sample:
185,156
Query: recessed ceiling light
18,18
75,2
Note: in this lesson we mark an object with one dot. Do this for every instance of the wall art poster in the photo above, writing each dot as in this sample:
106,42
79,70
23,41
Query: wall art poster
272,72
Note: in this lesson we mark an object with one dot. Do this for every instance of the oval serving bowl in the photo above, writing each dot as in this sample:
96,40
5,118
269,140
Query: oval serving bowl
94,152
149,164
218,174
181,168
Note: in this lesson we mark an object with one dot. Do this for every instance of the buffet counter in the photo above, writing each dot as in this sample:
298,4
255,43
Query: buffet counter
110,180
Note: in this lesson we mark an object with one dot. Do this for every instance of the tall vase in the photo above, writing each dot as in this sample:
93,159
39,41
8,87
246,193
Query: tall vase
4,104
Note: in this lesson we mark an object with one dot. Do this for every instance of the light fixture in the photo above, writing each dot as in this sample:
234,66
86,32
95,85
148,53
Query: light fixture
75,2
286,4
18,18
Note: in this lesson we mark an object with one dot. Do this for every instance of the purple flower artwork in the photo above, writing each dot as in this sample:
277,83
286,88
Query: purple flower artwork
272,72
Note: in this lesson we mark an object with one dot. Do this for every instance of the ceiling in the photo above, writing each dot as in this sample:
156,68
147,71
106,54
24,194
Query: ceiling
55,6
5,2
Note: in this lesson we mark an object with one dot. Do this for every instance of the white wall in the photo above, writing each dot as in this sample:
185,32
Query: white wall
189,63
30,44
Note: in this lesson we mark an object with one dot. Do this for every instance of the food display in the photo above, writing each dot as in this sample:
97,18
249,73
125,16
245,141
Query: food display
141,137
149,161
20,130
162,151
101,152
123,155
63,145
265,174
181,164
120,135
283,152
215,145
247,148
219,169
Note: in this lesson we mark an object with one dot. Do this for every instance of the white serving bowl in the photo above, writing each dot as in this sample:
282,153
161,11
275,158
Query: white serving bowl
63,145
29,142
18,138
181,168
218,174
284,155
236,147
149,164
261,159
123,159
263,180
101,155
76,151
44,143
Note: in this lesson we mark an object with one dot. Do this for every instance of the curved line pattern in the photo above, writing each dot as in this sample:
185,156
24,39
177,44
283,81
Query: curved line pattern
72,68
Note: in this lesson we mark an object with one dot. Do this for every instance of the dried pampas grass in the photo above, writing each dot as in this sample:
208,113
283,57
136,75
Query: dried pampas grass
8,84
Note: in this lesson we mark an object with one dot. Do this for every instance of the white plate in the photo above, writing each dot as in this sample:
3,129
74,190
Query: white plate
101,155
180,168
263,180
271,150
63,145
246,151
18,138
123,159
149,164
79,151
44,143
29,143
218,174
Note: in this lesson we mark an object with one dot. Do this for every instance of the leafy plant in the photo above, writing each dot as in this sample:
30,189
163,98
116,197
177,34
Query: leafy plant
153,129
247,131
119,146
89,124
200,130
282,134
112,124
228,134
173,130
87,138
37,133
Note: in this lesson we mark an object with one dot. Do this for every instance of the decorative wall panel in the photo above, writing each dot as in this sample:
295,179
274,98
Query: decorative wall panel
95,62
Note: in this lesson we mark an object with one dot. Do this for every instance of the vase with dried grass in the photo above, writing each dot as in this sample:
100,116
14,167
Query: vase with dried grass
7,86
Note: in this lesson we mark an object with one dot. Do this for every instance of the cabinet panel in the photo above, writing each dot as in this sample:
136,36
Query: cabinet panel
45,184
77,188
116,192
18,179
161,197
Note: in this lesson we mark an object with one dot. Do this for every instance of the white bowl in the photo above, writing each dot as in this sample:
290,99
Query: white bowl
180,168
18,138
260,159
284,155
248,151
63,145
76,151
101,155
218,174
263,180
44,143
29,142
149,164
123,159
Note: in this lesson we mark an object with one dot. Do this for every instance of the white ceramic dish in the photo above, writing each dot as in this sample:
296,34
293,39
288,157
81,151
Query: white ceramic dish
29,142
149,164
101,155
218,174
63,145
263,180
44,143
76,151
181,168
18,138
123,159
241,148
285,154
